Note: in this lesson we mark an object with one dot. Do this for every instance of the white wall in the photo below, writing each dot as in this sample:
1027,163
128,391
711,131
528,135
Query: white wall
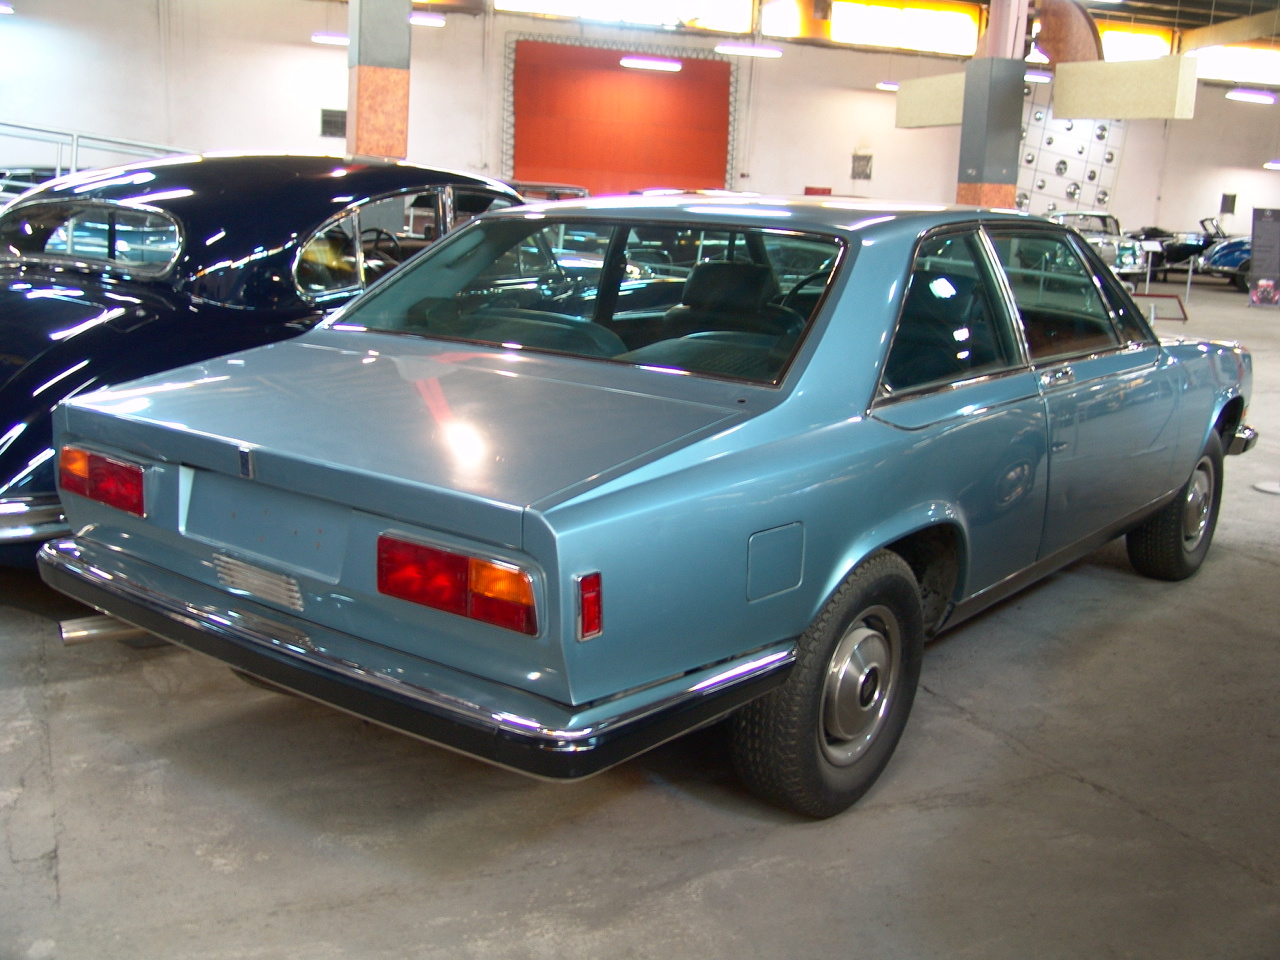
243,75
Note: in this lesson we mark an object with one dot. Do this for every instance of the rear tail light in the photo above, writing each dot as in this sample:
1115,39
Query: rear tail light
117,483
486,590
590,607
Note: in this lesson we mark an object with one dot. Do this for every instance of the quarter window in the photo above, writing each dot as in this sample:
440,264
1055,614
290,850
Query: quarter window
1062,312
144,241
949,329
330,261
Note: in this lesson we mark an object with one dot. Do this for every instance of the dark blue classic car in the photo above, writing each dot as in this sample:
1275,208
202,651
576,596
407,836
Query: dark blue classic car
588,475
110,275
1230,258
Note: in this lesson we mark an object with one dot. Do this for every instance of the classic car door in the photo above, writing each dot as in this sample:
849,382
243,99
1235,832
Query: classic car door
1108,392
955,377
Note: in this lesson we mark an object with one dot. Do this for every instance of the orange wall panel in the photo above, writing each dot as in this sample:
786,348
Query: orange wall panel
582,118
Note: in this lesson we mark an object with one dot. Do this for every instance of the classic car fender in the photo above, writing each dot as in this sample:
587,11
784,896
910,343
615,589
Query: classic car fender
1218,381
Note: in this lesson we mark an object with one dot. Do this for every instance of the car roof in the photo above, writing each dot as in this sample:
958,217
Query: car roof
255,201
826,214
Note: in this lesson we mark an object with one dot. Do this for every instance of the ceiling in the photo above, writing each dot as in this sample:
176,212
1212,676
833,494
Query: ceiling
1178,14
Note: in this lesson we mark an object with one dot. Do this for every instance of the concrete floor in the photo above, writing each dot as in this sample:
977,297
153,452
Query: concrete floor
1092,770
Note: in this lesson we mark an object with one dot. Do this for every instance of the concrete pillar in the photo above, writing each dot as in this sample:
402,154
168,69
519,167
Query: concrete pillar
378,84
991,128
991,132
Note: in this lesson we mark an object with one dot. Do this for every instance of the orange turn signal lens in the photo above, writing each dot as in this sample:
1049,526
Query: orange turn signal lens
117,483
496,593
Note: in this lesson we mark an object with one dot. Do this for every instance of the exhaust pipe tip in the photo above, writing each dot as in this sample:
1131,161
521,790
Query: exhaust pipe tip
100,627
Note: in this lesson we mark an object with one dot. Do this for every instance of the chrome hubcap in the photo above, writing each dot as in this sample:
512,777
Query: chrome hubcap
1197,506
860,684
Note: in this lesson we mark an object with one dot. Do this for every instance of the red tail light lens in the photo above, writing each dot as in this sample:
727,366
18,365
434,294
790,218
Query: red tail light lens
117,483
590,607
496,593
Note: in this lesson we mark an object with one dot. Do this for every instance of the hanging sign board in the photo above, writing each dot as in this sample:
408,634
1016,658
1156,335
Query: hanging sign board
1264,258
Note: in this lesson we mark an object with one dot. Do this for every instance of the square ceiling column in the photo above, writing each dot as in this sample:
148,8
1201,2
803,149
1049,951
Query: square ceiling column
378,84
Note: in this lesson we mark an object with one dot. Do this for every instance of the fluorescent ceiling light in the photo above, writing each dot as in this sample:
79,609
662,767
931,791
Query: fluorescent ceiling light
1251,96
420,18
1033,76
6,8
748,50
331,39
1271,165
889,86
649,63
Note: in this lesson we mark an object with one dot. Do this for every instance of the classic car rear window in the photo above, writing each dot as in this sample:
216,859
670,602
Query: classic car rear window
728,302
145,241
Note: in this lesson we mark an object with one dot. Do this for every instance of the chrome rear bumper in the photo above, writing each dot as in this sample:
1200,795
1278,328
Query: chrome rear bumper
489,721
31,520
1243,441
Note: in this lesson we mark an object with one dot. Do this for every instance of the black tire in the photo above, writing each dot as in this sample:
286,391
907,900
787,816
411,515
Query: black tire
817,743
1172,543
1241,279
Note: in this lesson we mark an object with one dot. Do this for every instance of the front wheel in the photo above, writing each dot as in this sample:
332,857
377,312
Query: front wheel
818,742
1172,543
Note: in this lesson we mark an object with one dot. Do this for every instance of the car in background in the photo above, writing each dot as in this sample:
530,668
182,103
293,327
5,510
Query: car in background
1179,249
1230,258
1121,253
109,275
551,510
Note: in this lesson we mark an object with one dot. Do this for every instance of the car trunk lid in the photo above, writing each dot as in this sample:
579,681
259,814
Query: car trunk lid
442,436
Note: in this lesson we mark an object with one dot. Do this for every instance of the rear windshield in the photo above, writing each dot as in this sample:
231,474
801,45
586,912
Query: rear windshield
720,301
144,241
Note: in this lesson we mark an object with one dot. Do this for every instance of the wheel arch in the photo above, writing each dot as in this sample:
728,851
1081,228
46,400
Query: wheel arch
934,544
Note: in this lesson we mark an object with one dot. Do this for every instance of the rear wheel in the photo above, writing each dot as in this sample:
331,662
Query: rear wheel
818,742
1241,279
1171,544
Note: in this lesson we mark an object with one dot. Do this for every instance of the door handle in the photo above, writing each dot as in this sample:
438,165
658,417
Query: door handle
1056,377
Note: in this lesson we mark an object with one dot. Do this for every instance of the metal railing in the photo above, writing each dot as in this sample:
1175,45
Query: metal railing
69,145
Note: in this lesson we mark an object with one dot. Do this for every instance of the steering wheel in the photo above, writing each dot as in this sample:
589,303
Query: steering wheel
382,241
788,298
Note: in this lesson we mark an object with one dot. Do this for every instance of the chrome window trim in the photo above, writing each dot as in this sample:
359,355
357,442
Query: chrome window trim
113,267
443,193
1004,228
1002,299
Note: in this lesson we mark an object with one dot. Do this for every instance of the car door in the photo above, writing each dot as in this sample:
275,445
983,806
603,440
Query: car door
956,379
1108,392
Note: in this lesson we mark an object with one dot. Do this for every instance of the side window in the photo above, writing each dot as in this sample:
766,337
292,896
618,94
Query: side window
1128,318
949,329
1062,312
328,264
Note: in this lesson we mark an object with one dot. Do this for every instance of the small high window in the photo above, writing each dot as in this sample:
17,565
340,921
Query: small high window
144,241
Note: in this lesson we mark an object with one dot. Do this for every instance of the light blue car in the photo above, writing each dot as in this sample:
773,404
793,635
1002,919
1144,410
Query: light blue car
589,475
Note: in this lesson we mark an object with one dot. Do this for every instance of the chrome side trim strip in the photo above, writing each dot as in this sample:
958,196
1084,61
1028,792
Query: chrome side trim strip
249,628
31,520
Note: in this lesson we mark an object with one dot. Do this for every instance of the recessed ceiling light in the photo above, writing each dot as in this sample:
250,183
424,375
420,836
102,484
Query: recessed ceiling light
649,63
889,86
6,8
1251,96
420,18
748,50
1271,165
331,39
